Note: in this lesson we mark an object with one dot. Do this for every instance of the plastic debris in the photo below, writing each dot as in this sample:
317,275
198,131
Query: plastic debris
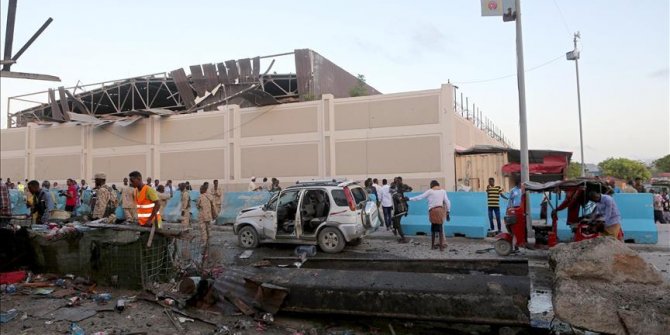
268,318
183,319
308,250
9,315
75,329
120,305
10,288
44,291
102,298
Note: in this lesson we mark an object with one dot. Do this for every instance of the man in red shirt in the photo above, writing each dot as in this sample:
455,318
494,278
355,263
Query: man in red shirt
72,195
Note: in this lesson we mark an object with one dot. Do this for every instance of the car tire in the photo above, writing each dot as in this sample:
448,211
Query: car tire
503,247
331,240
248,237
355,242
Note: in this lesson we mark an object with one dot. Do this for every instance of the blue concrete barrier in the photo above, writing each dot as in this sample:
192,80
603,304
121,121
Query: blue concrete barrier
234,202
468,215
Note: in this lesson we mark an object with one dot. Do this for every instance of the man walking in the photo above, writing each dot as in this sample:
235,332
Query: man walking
42,203
400,206
378,190
185,205
607,211
128,202
387,204
148,203
104,200
168,188
493,194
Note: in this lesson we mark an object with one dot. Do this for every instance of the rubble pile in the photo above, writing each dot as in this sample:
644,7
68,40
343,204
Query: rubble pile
604,286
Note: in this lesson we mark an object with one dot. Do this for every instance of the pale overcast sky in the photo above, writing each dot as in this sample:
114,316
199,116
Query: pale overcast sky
399,46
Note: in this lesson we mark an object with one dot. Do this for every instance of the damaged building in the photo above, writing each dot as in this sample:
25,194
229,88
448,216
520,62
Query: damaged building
236,119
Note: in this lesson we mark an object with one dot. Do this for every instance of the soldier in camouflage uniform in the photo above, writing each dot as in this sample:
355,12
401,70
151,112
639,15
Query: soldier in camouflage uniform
105,201
185,205
206,212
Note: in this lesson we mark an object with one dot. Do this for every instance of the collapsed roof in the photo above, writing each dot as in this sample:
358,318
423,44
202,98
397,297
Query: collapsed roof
207,86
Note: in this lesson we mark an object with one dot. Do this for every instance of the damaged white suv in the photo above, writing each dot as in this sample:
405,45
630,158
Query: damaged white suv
328,213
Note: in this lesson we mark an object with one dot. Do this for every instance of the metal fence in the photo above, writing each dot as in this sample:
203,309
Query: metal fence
474,114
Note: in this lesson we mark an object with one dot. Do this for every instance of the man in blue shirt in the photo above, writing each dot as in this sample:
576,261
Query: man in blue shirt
514,195
607,211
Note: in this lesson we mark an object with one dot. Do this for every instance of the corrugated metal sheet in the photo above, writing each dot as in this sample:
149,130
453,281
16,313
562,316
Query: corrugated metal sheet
475,170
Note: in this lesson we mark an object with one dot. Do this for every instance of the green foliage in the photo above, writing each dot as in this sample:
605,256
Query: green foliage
574,170
360,89
624,168
308,97
663,164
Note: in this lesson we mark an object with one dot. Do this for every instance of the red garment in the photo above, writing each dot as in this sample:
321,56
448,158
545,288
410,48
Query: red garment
573,202
71,201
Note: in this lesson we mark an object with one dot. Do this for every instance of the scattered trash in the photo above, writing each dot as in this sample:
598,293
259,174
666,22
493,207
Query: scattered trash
188,285
100,333
10,288
60,282
69,276
183,319
308,250
12,277
222,330
242,324
262,264
268,318
246,254
102,298
120,305
49,322
43,291
9,315
75,329
169,301
74,301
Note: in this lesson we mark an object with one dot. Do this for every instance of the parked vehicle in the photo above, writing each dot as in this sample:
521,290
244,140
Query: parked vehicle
327,213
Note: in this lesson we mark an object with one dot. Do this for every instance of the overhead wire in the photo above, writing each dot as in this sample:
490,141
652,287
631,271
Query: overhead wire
565,23
511,75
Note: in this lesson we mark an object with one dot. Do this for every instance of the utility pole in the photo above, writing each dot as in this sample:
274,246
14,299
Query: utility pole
574,55
510,10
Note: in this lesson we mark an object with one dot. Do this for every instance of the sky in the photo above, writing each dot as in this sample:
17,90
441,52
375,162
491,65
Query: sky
399,46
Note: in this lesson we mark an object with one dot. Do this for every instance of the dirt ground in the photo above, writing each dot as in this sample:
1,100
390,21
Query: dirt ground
40,314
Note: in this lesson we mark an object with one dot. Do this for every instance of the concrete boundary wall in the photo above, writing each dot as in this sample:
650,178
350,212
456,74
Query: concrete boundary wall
412,134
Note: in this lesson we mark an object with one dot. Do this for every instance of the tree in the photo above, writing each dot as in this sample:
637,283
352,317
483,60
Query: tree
624,168
663,164
360,89
574,170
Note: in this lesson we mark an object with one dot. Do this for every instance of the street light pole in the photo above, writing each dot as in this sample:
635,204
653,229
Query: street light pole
574,55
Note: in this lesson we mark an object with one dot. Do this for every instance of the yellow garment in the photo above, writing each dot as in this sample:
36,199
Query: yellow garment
612,231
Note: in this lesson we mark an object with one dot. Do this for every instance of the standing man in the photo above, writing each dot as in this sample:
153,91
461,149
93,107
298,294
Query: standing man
185,205
638,185
217,195
146,198
252,185
149,182
42,203
104,200
168,188
71,196
156,184
607,212
162,196
514,199
400,206
493,194
378,190
5,206
206,211
20,187
128,201
387,204
439,207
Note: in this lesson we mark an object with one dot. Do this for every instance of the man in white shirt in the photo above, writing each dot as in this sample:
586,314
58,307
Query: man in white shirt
252,185
378,190
387,203
439,207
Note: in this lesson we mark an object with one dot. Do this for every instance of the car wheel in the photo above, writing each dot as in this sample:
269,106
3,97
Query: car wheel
503,247
248,237
355,242
331,240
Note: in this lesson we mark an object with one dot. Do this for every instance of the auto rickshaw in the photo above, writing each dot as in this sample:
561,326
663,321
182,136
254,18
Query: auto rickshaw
573,195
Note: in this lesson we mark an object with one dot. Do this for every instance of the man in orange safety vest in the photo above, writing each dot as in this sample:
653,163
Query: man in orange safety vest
147,201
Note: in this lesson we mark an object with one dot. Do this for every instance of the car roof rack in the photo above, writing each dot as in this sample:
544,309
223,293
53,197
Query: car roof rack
318,182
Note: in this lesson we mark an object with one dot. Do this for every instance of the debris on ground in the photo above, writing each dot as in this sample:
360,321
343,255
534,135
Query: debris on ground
604,286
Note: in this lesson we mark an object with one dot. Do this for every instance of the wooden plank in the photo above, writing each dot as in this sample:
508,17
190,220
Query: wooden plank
245,69
199,81
223,73
210,76
233,73
257,67
55,110
184,88
65,108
